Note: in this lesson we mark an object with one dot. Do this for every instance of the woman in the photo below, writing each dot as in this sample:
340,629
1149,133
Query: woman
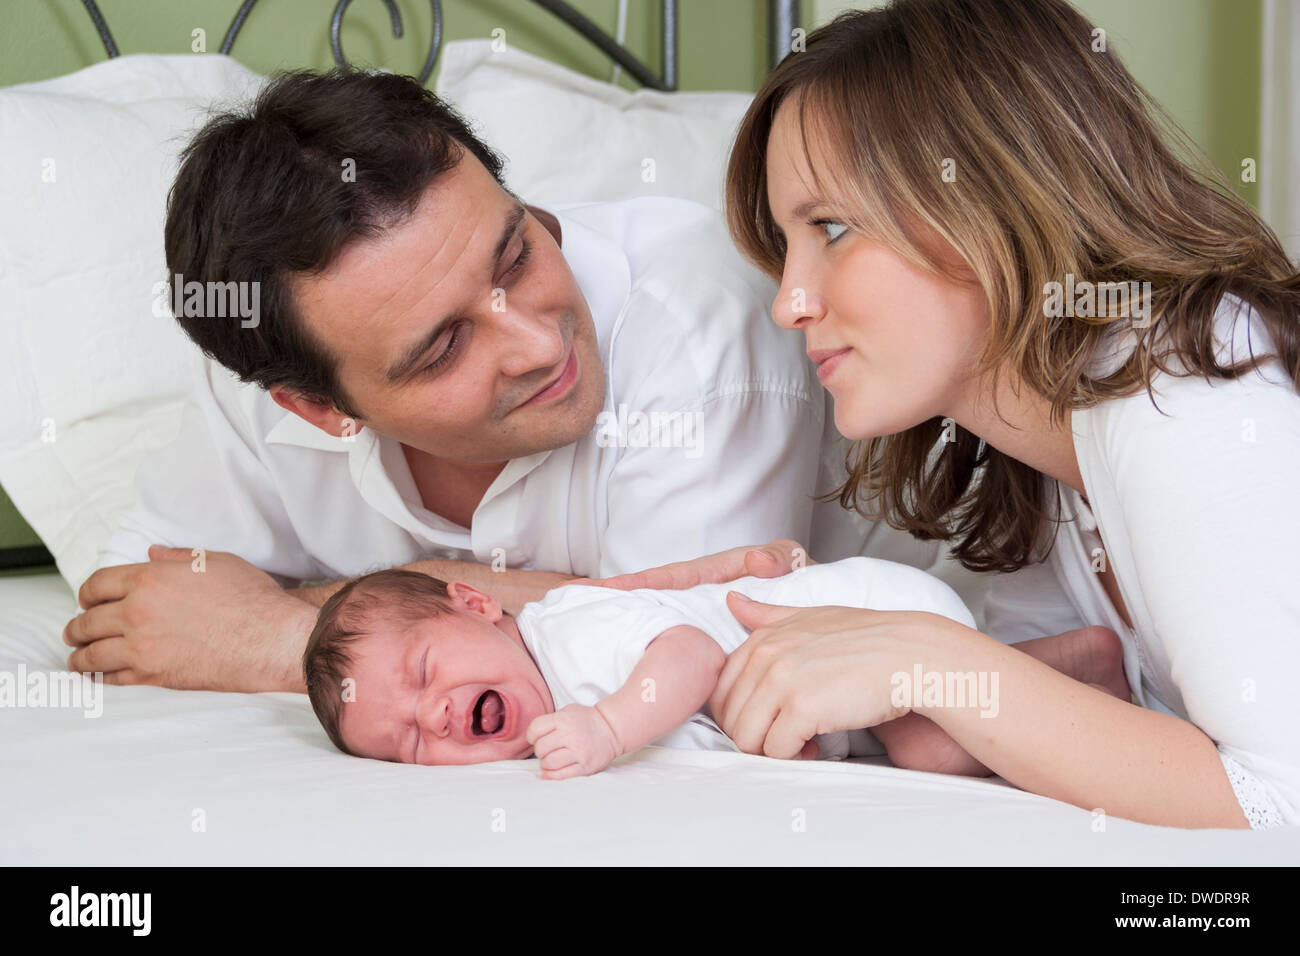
1063,350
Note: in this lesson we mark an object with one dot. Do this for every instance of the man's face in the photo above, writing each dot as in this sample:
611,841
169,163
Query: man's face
461,332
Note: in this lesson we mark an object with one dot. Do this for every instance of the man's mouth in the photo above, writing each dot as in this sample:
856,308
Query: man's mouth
560,385
489,715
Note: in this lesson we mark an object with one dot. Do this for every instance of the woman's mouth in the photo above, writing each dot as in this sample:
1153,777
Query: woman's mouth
488,717
827,366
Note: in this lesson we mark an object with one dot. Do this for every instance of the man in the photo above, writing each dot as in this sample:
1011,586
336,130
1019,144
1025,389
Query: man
439,377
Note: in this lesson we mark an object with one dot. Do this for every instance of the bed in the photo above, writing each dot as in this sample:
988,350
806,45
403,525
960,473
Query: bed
197,778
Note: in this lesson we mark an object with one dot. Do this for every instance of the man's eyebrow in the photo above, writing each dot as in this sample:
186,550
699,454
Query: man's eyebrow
401,368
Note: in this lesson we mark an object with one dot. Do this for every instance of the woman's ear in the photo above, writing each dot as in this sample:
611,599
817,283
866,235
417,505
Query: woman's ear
472,599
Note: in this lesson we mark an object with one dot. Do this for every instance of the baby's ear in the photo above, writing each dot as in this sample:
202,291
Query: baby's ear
474,600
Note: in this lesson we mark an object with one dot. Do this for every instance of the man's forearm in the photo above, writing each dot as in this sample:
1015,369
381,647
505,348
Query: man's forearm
511,587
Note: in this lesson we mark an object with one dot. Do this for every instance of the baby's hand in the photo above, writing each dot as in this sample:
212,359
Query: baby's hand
572,742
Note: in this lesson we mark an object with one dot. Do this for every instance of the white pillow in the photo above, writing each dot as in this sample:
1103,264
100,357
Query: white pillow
569,138
90,378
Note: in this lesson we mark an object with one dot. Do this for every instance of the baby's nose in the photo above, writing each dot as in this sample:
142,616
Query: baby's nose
437,715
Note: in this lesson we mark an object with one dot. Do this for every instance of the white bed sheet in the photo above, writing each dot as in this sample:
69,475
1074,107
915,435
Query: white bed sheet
126,788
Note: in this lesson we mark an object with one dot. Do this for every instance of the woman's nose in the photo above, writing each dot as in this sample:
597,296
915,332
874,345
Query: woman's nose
797,303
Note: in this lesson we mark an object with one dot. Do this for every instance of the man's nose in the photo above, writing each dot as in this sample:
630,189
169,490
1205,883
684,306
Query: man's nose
530,343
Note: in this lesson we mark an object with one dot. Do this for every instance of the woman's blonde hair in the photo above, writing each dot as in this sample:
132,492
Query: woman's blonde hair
1007,128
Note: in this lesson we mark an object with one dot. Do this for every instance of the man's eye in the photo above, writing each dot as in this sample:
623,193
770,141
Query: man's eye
447,353
831,228
521,260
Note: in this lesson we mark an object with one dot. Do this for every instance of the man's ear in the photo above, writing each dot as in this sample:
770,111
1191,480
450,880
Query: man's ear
547,220
319,412
474,600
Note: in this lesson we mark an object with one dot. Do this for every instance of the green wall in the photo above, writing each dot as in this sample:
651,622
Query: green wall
1199,58
722,42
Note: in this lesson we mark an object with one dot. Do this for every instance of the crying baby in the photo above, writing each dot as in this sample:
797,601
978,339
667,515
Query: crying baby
404,667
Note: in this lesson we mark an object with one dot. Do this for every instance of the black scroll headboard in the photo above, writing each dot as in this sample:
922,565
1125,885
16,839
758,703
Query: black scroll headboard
783,17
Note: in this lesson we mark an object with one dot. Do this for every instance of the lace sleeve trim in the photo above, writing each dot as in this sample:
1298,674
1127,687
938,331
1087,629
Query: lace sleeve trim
1255,802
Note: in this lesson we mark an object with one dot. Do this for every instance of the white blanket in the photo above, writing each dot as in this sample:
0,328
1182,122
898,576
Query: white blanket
196,778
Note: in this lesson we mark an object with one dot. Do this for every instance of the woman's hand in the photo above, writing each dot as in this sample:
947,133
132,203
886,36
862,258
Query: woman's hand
808,671
762,561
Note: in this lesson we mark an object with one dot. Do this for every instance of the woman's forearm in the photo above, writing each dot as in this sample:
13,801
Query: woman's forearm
1057,737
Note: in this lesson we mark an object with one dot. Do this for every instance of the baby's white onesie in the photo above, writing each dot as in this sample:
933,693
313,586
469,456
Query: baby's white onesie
587,640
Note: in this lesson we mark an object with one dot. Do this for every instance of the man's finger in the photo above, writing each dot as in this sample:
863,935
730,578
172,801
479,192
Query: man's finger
670,577
161,552
108,584
763,563
110,654
101,621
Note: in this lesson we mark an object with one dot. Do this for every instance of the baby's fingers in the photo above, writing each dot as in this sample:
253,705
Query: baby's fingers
540,727
572,770
558,759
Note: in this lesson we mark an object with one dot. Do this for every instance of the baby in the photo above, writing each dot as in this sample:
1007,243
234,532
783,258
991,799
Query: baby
404,667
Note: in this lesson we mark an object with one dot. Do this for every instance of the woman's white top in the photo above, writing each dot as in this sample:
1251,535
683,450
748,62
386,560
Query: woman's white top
1198,505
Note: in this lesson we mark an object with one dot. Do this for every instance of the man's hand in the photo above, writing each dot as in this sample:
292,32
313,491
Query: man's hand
762,561
190,620
575,741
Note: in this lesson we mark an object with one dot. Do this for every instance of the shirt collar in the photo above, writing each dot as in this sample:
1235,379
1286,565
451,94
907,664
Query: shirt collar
293,429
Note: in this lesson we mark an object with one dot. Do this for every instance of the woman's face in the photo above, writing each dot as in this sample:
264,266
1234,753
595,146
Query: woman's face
895,344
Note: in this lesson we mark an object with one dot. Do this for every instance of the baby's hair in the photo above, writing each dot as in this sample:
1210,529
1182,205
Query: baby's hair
402,597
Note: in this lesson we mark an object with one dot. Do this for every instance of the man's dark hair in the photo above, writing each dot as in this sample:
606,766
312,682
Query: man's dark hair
261,193
396,597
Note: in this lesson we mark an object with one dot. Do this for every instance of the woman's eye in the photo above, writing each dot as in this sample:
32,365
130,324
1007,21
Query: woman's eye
831,228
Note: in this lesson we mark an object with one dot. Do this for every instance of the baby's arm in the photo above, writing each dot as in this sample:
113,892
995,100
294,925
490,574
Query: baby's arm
673,680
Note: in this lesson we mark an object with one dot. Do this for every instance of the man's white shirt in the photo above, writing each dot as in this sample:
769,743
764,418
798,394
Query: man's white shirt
710,437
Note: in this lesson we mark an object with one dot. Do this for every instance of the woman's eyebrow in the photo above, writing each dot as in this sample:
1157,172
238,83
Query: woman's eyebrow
799,213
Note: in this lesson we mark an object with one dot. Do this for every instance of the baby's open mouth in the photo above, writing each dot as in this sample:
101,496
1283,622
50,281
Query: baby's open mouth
489,714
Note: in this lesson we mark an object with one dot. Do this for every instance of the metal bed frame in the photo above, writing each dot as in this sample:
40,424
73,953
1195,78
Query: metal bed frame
783,17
